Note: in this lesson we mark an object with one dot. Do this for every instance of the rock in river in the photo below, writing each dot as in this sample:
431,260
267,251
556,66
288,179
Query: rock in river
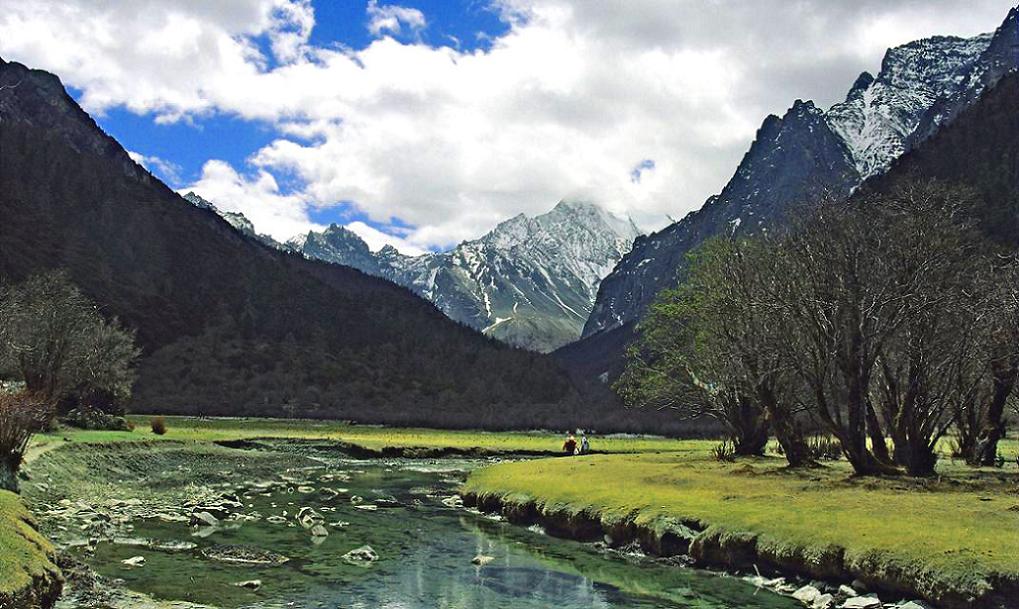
862,602
362,555
807,594
251,584
243,555
481,560
134,561
204,519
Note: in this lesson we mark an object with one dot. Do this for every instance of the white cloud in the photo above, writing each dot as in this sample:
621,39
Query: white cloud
566,104
377,239
168,170
256,196
393,17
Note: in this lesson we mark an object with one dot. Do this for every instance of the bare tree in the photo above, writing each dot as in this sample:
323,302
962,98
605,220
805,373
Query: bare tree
981,419
667,369
21,415
934,361
59,344
711,347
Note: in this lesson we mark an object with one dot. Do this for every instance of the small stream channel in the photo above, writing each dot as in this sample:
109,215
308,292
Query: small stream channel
405,510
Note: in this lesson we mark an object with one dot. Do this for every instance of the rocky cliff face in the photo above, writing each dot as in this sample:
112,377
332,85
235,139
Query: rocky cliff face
530,282
880,114
793,160
921,86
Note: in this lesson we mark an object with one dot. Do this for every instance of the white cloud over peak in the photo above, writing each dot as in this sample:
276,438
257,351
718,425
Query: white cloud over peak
377,239
257,196
567,103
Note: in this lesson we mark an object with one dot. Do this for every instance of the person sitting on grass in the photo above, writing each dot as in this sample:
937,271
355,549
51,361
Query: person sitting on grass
570,446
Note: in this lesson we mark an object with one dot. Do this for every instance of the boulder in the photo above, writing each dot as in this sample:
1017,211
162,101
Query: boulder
134,561
481,560
847,591
807,594
204,519
825,601
319,531
251,584
362,555
862,602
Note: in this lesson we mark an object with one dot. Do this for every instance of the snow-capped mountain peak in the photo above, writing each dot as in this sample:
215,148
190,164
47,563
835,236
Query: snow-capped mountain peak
530,281
879,114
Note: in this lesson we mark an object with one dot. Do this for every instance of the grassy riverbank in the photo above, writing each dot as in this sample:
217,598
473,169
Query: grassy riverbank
369,437
27,570
948,538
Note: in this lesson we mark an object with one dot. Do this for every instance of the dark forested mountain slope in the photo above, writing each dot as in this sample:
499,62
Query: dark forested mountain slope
230,326
979,149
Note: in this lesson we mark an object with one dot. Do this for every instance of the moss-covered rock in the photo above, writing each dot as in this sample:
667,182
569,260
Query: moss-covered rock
29,576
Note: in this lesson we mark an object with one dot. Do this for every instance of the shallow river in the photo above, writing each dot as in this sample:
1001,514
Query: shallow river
425,551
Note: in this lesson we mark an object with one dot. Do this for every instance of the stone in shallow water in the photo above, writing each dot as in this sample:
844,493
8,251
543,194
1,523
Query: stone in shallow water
243,555
204,519
319,531
825,601
134,561
362,555
807,594
251,584
862,602
481,560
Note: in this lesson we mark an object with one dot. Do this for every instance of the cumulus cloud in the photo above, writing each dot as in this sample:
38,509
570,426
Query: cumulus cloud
567,103
377,239
392,18
257,196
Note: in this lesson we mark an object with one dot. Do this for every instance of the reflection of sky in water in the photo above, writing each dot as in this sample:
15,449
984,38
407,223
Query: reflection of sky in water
425,550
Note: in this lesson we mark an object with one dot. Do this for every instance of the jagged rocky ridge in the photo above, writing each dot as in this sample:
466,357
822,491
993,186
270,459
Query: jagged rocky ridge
808,153
529,282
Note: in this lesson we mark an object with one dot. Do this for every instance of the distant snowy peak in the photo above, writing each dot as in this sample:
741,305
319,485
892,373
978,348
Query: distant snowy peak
879,114
530,281
337,244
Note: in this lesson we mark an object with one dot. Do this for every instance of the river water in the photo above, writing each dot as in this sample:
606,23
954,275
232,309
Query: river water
425,550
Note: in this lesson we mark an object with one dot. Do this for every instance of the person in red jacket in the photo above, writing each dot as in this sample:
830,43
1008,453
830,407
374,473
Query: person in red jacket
570,445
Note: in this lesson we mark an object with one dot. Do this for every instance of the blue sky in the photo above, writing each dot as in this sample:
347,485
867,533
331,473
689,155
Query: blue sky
465,25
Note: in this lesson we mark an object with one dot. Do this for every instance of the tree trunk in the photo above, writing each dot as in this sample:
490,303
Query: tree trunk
992,428
787,430
877,437
917,457
749,427
9,473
